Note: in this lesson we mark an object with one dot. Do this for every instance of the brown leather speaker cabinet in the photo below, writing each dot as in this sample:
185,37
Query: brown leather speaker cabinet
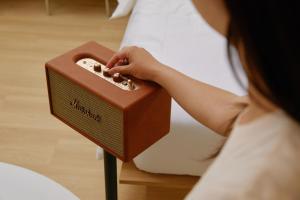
121,114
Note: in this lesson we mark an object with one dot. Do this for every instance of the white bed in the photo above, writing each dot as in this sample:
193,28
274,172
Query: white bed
175,34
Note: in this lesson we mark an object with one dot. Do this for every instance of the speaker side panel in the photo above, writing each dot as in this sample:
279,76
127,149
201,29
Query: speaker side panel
148,121
86,112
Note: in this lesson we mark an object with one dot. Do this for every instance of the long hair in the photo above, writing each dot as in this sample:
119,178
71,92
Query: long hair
268,32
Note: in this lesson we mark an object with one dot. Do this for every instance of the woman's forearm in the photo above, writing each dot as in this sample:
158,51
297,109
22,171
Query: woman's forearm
213,107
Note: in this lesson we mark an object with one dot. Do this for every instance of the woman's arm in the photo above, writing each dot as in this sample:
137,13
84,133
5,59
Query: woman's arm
213,107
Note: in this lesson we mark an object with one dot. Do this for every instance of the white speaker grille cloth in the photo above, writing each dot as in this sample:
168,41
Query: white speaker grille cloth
109,131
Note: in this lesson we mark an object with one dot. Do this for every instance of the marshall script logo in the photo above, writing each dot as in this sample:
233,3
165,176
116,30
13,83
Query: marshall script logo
85,111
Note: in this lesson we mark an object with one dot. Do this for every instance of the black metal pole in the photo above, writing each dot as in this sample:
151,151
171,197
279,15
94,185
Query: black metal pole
111,183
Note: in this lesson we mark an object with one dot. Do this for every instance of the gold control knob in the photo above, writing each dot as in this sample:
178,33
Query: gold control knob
131,86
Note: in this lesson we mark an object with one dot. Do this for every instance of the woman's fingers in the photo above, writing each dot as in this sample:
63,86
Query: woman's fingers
115,59
121,56
119,62
122,62
124,69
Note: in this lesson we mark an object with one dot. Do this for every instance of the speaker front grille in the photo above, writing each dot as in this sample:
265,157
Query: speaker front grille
86,112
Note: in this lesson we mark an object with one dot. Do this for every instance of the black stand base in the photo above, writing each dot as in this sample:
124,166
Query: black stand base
110,168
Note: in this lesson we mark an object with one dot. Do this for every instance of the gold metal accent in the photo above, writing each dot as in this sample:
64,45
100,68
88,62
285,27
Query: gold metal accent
130,84
88,63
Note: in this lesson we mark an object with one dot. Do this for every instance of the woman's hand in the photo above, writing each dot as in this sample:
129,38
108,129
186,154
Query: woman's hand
135,61
213,107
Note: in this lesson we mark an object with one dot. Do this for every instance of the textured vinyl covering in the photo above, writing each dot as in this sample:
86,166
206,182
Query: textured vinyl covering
177,35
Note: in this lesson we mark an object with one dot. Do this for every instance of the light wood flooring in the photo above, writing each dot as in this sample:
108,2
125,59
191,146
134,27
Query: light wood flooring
29,136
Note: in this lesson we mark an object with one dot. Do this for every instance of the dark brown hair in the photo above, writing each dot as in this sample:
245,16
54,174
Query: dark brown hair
268,31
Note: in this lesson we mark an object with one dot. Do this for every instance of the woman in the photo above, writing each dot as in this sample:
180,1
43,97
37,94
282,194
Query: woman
260,159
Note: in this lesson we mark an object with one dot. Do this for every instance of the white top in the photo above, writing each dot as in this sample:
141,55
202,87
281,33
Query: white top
260,160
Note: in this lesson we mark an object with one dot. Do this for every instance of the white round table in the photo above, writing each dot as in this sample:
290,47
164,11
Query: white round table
17,183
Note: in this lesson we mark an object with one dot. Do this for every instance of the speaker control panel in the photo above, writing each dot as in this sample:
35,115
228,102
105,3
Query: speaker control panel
101,70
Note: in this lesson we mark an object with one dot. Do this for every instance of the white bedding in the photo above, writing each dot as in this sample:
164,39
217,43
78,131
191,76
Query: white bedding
175,34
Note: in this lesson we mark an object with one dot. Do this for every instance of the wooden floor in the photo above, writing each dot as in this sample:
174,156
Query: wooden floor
29,135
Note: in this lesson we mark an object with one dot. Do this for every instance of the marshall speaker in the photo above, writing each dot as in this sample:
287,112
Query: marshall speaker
121,114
